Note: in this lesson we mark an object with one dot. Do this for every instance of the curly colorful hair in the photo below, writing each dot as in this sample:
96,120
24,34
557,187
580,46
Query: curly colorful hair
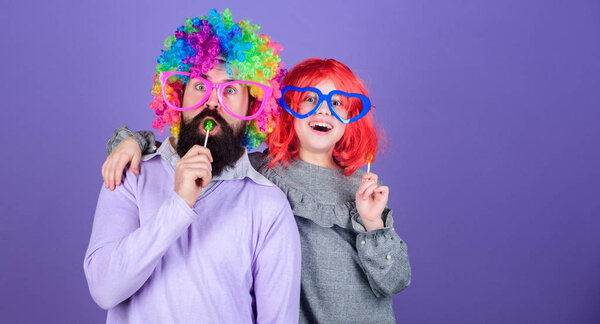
195,48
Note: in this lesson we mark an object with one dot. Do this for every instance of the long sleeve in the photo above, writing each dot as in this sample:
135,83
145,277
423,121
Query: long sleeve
383,256
122,254
276,269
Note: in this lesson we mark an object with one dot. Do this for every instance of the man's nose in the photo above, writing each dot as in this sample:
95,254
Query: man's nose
213,100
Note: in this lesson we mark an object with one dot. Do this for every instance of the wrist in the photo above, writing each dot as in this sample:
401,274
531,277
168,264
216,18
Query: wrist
190,202
118,136
373,225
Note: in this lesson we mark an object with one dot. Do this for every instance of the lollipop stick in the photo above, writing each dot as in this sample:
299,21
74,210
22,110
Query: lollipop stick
206,138
368,167
209,125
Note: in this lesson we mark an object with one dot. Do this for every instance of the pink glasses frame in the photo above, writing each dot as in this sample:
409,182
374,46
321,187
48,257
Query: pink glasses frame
267,91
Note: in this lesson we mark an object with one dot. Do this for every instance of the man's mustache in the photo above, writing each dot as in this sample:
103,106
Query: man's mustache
195,122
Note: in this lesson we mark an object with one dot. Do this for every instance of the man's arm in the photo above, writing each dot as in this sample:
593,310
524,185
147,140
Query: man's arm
122,254
276,267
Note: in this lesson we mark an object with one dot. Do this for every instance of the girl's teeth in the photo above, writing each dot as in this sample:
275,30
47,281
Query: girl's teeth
320,124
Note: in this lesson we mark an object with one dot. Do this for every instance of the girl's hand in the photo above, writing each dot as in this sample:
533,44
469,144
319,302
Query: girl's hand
112,170
371,200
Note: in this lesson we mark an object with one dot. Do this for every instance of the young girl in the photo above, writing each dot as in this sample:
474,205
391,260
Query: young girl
353,262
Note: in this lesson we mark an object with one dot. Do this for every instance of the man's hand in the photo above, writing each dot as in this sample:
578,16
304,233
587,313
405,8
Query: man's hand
370,201
112,170
192,173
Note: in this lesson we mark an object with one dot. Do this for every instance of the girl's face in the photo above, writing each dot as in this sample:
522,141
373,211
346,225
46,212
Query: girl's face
320,132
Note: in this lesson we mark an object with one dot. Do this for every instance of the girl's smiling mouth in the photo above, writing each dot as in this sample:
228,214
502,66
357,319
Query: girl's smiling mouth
320,127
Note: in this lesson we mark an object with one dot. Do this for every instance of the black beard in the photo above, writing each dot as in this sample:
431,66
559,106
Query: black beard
225,147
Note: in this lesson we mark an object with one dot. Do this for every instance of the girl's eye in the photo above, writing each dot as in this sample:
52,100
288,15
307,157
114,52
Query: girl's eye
310,99
337,103
200,86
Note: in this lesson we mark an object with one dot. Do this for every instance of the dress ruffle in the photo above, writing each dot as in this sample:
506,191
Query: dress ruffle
305,205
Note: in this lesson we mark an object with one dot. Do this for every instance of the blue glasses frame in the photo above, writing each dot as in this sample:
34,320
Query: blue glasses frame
365,100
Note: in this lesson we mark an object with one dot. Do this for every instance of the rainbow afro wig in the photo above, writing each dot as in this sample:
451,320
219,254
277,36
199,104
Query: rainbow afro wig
195,48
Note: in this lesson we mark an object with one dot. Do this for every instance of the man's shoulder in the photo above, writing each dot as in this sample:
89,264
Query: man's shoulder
266,195
271,206
263,186
154,162
150,168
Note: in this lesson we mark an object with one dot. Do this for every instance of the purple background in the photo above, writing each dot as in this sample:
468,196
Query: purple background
490,110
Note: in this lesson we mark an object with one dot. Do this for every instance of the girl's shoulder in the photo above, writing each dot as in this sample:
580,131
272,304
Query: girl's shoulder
258,160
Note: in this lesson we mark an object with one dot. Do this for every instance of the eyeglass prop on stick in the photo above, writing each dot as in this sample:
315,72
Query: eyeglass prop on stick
209,125
369,158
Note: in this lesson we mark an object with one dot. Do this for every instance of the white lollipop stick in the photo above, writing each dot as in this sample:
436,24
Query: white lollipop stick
206,138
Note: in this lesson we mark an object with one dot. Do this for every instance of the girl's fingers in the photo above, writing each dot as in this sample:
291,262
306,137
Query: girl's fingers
370,176
383,189
110,175
362,187
119,167
382,193
135,164
369,190
106,170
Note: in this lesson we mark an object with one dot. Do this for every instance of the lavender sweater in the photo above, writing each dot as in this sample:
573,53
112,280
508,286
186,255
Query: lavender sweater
232,258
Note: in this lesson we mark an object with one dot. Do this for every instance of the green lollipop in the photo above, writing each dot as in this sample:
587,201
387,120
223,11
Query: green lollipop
209,125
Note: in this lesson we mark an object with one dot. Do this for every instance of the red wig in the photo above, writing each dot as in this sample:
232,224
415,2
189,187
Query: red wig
359,137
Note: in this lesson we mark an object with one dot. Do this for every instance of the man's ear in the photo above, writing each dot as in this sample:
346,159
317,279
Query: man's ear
251,102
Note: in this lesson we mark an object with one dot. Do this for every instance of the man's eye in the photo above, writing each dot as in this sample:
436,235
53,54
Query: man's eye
200,86
230,91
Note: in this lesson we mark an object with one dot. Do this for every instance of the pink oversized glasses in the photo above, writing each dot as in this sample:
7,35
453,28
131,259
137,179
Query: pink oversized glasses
230,94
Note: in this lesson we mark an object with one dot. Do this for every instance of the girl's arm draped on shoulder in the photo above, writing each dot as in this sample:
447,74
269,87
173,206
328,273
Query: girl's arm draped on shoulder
123,148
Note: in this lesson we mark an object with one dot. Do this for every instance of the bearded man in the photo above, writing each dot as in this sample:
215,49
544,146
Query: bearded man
196,235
